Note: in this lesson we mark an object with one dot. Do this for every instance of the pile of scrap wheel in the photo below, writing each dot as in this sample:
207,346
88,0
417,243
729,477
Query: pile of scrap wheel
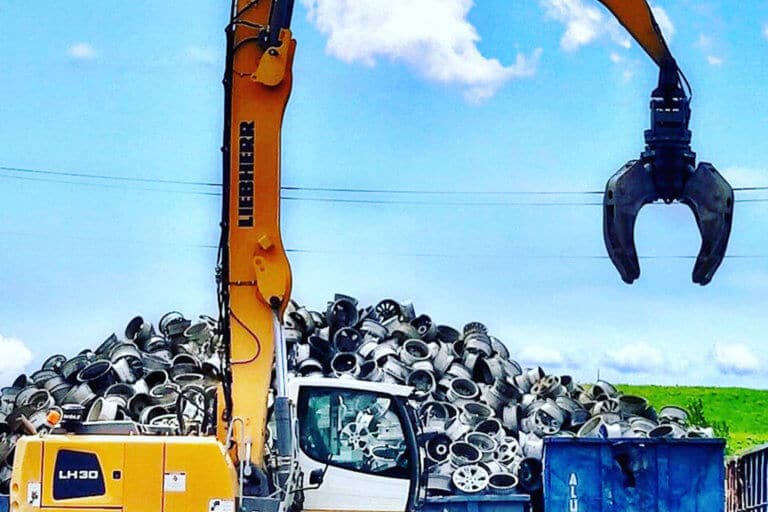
483,417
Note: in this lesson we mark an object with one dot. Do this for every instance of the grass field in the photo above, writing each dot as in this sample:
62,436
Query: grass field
745,411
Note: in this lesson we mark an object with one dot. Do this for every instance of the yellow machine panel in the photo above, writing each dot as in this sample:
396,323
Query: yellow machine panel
197,476
27,469
142,489
122,473
76,509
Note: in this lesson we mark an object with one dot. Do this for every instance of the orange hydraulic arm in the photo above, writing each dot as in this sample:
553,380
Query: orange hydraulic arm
636,16
254,275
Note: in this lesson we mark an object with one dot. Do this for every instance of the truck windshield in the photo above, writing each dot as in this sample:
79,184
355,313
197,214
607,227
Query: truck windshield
359,430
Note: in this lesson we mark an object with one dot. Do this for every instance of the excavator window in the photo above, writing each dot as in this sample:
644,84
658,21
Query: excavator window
355,430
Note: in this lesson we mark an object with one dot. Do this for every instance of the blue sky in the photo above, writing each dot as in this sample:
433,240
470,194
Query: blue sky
444,95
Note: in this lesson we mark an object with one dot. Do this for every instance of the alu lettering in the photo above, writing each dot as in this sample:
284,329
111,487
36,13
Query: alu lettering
573,497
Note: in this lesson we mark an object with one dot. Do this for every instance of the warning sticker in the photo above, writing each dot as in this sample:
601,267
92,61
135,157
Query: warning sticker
33,494
221,506
175,482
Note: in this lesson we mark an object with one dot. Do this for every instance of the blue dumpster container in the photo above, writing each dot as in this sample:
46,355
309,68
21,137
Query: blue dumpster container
477,503
646,475
4,504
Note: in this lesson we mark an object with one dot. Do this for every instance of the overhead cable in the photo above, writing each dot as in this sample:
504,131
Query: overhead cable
387,254
351,190
354,201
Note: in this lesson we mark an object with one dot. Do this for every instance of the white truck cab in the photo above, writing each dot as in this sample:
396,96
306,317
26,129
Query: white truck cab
364,433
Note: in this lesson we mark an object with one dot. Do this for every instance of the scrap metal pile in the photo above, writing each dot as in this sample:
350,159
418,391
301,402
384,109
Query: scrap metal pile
483,417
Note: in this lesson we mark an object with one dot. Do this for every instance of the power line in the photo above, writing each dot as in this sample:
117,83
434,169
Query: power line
304,199
445,192
109,186
328,189
750,200
112,178
506,256
292,187
105,240
431,255
351,201
439,203
469,203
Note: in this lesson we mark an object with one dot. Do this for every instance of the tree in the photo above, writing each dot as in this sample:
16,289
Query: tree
696,418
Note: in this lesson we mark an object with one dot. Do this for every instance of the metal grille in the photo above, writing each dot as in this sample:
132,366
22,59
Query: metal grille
747,482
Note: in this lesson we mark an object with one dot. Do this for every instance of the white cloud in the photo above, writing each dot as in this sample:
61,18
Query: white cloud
14,357
81,51
584,24
543,356
765,31
616,58
634,358
736,358
715,61
202,55
664,22
434,37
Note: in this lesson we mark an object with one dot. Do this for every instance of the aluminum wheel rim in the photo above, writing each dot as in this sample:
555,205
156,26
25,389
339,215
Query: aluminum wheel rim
470,479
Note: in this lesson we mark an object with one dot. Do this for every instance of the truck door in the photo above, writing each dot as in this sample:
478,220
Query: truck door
367,443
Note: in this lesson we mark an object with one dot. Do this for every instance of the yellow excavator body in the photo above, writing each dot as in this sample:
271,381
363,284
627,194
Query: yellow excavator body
131,473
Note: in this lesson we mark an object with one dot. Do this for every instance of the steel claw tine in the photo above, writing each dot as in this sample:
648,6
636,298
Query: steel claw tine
710,197
625,194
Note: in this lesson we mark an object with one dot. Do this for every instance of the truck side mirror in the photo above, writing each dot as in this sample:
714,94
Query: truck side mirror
316,476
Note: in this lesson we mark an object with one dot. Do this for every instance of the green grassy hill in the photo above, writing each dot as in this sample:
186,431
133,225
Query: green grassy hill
745,411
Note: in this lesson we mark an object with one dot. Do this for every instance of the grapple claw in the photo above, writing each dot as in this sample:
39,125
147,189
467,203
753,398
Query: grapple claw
666,171
625,194
710,198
